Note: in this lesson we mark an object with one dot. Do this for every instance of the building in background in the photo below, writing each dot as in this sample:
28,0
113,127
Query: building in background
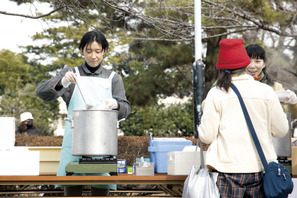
60,123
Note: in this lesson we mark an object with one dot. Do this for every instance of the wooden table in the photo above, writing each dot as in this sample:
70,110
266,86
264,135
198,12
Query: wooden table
91,180
171,184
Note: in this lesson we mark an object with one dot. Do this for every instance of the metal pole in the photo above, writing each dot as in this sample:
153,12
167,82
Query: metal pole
198,82
197,22
198,69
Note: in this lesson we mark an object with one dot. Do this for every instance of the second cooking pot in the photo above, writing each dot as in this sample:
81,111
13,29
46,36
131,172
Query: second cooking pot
94,132
282,146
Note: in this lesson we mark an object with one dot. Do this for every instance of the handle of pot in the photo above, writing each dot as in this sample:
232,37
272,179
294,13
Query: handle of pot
69,120
121,120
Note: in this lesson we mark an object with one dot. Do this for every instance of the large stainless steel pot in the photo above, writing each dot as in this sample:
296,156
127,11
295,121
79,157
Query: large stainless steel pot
94,132
282,146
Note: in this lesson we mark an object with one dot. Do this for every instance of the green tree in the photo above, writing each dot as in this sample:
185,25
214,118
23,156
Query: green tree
173,21
158,37
175,120
150,69
156,70
17,91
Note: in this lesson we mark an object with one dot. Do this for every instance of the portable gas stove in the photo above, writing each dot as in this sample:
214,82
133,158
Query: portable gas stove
93,165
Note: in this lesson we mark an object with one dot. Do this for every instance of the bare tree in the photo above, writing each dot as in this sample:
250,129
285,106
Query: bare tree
174,20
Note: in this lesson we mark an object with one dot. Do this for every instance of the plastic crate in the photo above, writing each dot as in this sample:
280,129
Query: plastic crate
181,162
159,147
19,161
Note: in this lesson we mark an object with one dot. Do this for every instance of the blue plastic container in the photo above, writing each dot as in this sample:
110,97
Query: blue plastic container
159,147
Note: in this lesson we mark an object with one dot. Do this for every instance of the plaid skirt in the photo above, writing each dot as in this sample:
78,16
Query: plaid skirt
240,185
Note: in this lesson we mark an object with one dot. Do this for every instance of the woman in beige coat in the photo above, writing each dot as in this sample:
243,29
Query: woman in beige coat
232,152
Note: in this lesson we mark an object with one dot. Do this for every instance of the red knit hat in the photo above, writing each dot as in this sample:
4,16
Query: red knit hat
232,54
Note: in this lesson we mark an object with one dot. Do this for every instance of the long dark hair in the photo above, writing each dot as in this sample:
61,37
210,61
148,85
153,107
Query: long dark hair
224,78
258,52
23,127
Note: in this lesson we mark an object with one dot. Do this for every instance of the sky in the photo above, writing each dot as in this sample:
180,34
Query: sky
17,31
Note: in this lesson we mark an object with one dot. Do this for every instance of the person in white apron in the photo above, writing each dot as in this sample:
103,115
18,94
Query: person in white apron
97,86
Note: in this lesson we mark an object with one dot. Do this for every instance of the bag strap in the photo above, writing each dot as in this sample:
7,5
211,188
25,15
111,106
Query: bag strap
251,127
202,164
199,143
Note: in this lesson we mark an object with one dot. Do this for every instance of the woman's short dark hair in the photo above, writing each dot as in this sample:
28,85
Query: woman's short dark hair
92,36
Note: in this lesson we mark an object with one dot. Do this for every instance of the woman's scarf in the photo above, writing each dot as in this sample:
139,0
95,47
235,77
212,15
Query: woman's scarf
260,77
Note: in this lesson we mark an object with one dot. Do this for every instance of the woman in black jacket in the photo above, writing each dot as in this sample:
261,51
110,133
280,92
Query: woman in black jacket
26,127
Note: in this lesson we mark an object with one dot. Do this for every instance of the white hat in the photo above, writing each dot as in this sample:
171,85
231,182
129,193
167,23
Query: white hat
26,116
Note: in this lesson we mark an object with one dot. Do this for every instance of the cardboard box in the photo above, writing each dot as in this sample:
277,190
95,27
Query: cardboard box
294,161
122,166
145,171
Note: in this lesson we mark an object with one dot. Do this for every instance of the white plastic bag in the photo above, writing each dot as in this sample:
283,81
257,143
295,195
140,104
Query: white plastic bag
201,183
